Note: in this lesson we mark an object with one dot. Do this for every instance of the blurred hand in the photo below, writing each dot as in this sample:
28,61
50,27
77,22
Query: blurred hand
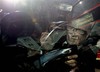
33,53
43,36
98,44
46,43
71,60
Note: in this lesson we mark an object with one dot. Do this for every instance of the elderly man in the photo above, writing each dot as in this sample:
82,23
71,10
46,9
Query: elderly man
83,60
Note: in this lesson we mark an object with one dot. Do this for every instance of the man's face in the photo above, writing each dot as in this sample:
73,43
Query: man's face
75,36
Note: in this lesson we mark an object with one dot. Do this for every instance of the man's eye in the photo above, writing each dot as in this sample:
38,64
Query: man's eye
70,32
80,31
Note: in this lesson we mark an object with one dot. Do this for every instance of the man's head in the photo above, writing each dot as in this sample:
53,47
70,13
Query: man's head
14,25
17,24
75,36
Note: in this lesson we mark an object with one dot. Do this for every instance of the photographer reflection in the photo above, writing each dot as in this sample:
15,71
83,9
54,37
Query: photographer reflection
15,57
82,58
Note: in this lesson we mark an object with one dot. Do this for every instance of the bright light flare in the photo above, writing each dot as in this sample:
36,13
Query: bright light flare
1,10
12,1
80,2
15,2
